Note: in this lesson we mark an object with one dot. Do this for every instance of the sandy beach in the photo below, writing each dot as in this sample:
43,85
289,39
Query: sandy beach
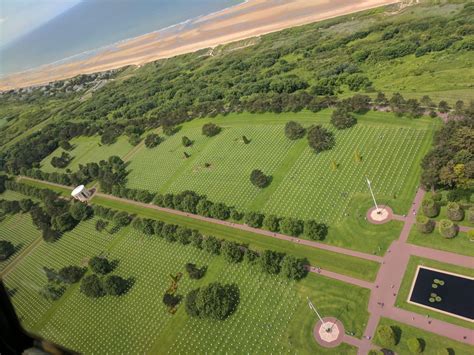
250,19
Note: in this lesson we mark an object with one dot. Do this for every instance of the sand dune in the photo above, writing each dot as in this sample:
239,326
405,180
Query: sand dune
253,18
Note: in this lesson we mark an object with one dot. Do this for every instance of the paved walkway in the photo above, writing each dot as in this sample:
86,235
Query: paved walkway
387,284
388,281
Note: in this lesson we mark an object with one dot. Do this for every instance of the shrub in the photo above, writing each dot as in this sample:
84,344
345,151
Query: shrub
71,274
232,252
100,225
341,118
92,286
80,211
259,179
430,208
320,139
214,301
387,336
293,268
251,256
315,230
115,285
470,214
414,345
25,205
212,245
6,249
152,140
447,228
100,265
291,226
194,272
293,130
52,292
272,223
376,352
210,129
454,211
170,300
270,261
254,219
186,141
219,211
424,224
236,215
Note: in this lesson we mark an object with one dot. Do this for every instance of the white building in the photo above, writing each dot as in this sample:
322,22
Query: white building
81,193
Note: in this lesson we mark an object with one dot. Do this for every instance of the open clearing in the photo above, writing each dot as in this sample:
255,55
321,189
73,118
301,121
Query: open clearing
269,317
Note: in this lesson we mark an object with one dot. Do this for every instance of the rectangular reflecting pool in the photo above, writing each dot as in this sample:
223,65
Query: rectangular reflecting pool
444,292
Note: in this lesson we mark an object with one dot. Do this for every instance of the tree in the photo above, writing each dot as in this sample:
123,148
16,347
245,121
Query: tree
415,346
71,274
272,223
26,205
470,214
62,161
80,211
52,292
115,285
186,141
210,129
430,208
63,223
194,272
443,106
171,300
65,145
315,230
212,245
424,224
6,249
291,226
122,219
341,118
100,265
152,140
92,286
447,228
387,336
214,301
294,130
183,235
320,139
254,219
203,207
100,225
293,268
381,99
219,211
270,261
169,232
454,211
232,252
259,179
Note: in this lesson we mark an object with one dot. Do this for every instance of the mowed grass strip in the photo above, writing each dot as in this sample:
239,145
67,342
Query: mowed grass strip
87,150
460,244
340,263
432,343
407,282
20,231
268,319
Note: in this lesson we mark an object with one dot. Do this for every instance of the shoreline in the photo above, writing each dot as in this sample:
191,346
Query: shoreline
251,18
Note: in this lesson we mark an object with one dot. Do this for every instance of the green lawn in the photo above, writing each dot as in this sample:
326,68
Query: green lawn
20,231
356,267
272,316
432,342
303,185
407,282
87,150
10,195
459,244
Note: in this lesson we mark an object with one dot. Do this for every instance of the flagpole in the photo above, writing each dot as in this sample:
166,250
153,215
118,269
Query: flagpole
372,193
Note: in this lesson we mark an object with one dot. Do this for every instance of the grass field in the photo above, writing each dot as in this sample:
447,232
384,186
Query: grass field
20,231
408,279
433,343
87,150
303,184
272,316
459,244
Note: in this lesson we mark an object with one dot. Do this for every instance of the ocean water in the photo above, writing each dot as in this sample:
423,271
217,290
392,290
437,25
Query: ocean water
94,24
